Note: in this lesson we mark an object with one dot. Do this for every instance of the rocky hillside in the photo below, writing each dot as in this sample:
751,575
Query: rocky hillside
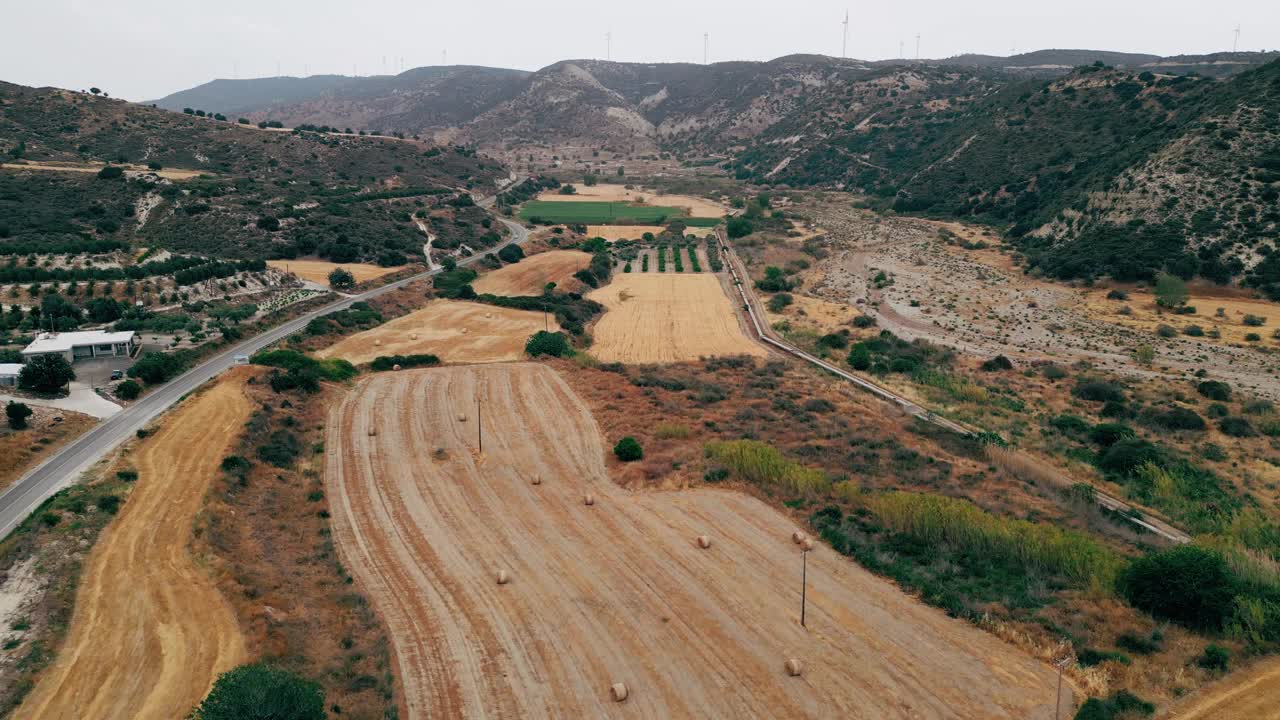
196,184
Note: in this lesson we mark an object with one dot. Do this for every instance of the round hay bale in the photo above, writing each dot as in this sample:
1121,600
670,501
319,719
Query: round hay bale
373,431
462,417
798,537
464,331
413,336
488,315
704,541
618,691
377,343
396,366
537,480
503,577
807,545
794,667
588,499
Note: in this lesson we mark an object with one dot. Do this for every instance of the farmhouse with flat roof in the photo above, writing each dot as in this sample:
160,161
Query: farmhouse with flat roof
9,373
83,345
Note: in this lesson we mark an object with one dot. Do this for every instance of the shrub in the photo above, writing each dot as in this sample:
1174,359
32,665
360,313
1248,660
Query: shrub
1193,331
1118,706
1166,331
860,357
1186,584
1215,657
111,172
1097,391
760,463
628,449
1173,418
154,368
1215,390
774,281
269,223
46,374
1114,409
1252,337
548,343
999,362
128,390
1139,645
511,253
387,362
1070,424
1127,455
1254,320
779,302
1108,434
1170,291
834,341
1090,657
261,691
341,278
864,321
1236,426
281,448
1053,372
17,413
1117,295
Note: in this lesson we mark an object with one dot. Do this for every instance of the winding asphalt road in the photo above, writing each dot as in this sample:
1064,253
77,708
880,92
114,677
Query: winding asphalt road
63,467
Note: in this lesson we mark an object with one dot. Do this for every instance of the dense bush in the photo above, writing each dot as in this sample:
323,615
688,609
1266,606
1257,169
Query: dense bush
281,448
128,390
262,692
511,253
17,414
1215,657
154,368
997,363
1215,390
761,464
1236,427
1173,418
1097,391
341,278
628,449
1108,434
387,362
1187,584
548,343
1120,705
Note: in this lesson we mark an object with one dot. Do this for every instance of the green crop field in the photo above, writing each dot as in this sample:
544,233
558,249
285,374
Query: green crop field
588,212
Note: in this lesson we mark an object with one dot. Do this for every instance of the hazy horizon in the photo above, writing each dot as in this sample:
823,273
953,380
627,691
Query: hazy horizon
145,49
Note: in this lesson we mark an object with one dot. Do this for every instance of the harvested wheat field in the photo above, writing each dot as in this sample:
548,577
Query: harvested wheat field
618,590
317,271
625,232
455,331
150,631
653,318
531,274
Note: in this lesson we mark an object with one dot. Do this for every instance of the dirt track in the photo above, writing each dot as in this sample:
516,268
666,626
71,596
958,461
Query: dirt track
150,631
455,331
1253,695
655,318
616,592
531,275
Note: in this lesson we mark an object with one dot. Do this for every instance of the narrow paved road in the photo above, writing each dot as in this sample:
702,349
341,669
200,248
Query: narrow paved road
62,468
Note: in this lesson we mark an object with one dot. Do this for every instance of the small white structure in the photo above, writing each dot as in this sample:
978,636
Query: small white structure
9,373
83,345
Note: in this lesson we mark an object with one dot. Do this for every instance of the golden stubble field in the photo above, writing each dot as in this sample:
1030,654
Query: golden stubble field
530,275
617,591
453,330
654,318
317,271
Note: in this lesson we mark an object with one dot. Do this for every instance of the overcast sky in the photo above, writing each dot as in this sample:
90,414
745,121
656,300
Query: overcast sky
144,49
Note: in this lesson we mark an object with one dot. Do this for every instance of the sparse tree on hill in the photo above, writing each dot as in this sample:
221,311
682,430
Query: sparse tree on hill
46,374
1171,291
95,90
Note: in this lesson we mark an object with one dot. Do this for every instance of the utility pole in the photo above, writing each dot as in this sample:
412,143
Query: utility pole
479,426
844,43
804,580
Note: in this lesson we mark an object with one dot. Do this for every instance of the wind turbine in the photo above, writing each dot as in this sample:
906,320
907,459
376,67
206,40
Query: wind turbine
844,44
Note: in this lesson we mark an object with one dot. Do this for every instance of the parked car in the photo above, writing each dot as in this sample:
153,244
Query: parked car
117,374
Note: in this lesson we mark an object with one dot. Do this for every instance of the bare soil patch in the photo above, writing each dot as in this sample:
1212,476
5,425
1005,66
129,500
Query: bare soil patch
1251,695
47,430
617,591
167,173
455,331
623,232
150,631
530,275
654,318
317,271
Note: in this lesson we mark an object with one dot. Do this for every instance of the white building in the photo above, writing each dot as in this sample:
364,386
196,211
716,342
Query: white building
9,373
83,345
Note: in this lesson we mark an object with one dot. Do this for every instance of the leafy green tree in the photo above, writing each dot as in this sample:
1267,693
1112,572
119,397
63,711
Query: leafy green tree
128,390
110,172
1187,584
1171,291
95,91
341,278
548,343
738,227
860,357
628,449
46,374
262,692
17,413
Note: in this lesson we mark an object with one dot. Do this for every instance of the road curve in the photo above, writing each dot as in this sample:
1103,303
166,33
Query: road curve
63,467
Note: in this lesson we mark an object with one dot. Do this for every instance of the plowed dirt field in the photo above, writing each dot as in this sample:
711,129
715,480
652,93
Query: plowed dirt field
653,318
617,591
460,332
531,275
150,631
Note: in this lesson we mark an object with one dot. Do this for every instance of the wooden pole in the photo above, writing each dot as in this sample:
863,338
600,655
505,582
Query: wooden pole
479,426
804,582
